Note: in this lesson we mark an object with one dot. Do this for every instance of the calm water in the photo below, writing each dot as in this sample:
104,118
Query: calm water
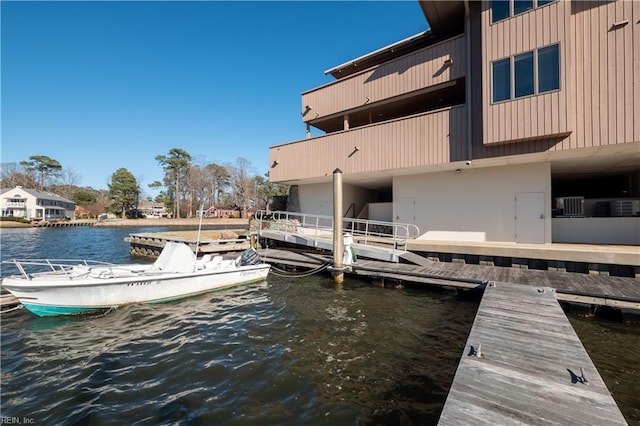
287,351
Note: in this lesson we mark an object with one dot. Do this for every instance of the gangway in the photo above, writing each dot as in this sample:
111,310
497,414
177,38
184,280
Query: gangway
373,239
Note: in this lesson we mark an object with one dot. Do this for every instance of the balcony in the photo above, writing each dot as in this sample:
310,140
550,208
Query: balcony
404,77
16,204
417,141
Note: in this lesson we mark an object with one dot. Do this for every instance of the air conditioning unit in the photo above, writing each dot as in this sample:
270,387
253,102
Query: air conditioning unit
625,208
569,206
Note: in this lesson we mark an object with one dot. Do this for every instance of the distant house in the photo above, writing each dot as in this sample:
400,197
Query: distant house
35,205
223,212
152,210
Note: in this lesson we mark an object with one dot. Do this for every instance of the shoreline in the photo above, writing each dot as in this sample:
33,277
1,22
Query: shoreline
241,223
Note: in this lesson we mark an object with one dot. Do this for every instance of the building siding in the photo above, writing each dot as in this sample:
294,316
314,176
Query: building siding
416,71
606,73
537,115
417,141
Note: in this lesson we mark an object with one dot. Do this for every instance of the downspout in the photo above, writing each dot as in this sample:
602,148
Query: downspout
467,31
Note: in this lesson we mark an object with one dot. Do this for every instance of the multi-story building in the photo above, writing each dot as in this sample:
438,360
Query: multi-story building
35,205
514,121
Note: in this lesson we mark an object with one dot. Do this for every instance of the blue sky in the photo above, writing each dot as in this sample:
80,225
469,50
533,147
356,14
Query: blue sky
104,85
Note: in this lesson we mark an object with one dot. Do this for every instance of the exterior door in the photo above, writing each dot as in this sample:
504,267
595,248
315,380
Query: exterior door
530,217
406,210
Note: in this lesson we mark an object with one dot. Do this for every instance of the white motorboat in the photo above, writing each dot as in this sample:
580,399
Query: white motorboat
79,287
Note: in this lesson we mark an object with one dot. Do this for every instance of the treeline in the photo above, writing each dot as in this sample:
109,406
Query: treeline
187,185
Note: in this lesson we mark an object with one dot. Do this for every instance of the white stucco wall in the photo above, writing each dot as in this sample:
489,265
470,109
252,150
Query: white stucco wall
318,198
477,204
381,211
597,230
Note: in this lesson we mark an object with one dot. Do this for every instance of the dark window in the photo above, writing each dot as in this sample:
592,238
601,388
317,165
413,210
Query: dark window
523,67
543,2
499,10
501,80
520,6
548,69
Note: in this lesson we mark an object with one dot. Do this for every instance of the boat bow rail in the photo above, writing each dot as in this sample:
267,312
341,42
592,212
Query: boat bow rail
70,267
375,239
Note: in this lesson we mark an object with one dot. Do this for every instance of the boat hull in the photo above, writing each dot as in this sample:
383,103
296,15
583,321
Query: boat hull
73,296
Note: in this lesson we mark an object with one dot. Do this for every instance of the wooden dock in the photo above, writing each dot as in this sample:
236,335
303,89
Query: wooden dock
618,292
63,223
151,244
524,364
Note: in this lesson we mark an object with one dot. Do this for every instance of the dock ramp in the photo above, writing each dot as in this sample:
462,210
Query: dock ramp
378,240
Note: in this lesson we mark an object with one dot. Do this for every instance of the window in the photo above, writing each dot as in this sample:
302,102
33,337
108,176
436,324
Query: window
520,6
501,80
499,10
502,9
520,69
548,69
523,74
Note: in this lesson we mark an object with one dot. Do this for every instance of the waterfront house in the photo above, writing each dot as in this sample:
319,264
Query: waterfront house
152,210
223,212
513,121
35,205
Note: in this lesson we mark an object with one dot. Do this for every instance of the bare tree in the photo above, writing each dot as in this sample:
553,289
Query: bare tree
243,186
14,174
69,179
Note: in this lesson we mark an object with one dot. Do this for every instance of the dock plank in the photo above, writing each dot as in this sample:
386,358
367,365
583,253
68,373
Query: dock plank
527,371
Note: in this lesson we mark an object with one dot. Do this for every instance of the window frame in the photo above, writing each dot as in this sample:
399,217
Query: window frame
535,4
509,96
537,68
535,74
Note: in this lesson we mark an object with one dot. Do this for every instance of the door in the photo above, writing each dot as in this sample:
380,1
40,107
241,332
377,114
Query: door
530,217
406,210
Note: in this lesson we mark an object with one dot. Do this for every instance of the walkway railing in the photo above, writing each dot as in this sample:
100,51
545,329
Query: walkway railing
366,232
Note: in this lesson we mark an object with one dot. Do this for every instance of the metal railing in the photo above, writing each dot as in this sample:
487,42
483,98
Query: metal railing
367,232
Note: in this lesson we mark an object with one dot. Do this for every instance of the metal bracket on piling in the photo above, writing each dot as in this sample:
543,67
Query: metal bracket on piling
338,270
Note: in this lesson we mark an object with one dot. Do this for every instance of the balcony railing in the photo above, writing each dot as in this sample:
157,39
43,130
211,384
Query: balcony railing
420,140
430,66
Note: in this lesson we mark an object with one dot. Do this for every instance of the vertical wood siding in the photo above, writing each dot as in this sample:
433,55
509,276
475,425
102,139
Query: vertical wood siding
599,99
537,115
416,71
606,73
417,141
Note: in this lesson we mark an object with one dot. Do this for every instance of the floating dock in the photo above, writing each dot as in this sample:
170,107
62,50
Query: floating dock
603,290
524,364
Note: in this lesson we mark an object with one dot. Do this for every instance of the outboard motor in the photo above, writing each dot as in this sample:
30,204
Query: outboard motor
249,257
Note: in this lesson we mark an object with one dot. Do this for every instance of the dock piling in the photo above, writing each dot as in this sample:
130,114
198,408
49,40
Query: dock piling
338,243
